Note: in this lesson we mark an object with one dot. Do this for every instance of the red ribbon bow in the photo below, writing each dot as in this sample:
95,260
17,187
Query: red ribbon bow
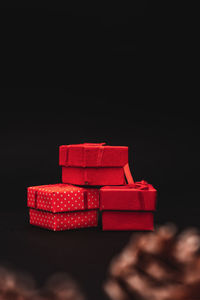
140,185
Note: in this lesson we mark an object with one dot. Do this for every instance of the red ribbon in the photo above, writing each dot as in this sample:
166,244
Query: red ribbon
99,156
128,174
139,186
36,196
85,200
67,156
100,152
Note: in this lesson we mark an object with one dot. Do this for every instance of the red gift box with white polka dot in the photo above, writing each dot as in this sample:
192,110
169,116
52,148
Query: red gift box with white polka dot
63,206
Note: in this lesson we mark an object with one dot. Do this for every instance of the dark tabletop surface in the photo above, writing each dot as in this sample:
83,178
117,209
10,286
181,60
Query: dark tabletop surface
84,254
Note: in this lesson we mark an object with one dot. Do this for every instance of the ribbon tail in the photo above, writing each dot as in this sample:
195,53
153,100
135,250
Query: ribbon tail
100,155
66,156
36,198
128,174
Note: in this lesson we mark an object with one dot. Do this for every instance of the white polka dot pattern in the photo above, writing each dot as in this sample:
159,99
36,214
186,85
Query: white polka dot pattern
63,221
62,197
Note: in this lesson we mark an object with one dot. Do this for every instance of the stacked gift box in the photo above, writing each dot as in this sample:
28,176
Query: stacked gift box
63,206
128,207
95,178
93,164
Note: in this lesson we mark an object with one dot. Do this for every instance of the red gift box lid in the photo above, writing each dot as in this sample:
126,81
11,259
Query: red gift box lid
93,155
62,197
137,196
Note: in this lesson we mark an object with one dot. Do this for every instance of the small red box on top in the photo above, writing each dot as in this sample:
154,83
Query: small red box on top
93,164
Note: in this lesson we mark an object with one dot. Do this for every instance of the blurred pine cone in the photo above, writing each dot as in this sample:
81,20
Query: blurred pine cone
18,286
61,287
160,265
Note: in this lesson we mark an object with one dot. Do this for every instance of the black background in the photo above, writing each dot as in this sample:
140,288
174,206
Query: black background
120,76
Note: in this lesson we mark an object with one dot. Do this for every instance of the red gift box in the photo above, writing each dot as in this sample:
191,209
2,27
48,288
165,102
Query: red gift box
136,196
92,155
63,221
51,203
128,207
131,220
93,164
